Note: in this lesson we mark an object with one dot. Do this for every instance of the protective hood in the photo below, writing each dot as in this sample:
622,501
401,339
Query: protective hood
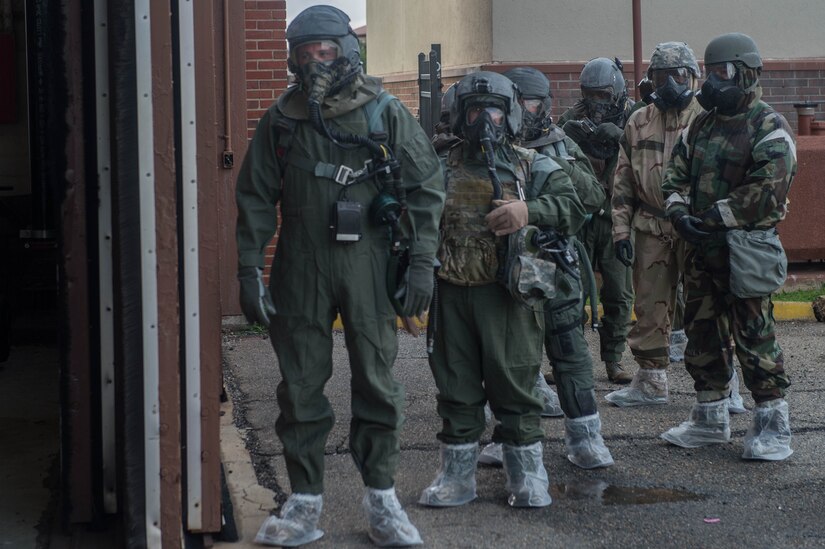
364,89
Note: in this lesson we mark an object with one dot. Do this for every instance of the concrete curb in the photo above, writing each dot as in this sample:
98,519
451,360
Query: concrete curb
793,310
251,502
782,310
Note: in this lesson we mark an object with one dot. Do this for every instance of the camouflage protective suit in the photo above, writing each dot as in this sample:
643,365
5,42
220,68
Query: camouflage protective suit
616,293
638,208
314,278
564,340
488,346
743,166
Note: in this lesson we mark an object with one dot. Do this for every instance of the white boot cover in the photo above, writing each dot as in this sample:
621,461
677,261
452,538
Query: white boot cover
455,483
648,387
491,455
389,524
769,436
709,423
549,398
736,405
585,445
527,479
678,344
297,524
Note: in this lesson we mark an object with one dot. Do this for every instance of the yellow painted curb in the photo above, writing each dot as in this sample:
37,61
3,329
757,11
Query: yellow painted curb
782,310
793,310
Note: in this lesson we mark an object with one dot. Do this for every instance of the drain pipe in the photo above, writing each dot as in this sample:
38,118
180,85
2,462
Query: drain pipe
637,46
228,155
805,115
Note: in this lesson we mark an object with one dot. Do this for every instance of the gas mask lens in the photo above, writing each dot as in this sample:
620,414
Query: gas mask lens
324,52
496,115
680,75
532,105
597,96
723,71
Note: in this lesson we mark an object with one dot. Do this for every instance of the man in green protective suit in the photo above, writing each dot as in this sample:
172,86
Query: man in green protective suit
564,340
488,343
725,189
596,124
354,175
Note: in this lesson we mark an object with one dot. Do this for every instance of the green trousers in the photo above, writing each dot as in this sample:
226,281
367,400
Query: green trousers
486,348
616,294
567,349
301,333
714,316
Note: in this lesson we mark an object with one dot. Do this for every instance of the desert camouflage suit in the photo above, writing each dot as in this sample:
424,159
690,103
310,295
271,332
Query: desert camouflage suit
616,293
744,164
638,206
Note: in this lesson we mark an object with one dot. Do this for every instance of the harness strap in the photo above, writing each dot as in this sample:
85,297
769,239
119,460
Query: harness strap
341,174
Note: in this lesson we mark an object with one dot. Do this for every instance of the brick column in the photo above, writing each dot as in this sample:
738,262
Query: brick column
266,72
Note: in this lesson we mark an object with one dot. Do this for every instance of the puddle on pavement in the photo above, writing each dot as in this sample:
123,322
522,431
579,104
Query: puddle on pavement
608,494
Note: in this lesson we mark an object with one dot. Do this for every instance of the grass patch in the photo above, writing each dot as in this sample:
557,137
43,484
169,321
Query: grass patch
800,295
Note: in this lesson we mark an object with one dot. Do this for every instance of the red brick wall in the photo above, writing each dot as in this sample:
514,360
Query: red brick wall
266,72
266,52
784,83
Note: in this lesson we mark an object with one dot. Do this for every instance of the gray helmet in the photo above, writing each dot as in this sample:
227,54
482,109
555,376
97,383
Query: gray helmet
323,23
447,100
672,55
602,73
486,87
532,83
733,47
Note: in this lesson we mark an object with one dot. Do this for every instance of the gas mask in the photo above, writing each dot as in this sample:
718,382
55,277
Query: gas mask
601,110
323,79
484,125
322,69
672,95
534,119
724,94
317,78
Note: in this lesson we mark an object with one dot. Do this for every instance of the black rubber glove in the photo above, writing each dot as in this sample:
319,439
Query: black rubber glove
256,303
624,251
419,286
688,227
712,220
608,131
575,130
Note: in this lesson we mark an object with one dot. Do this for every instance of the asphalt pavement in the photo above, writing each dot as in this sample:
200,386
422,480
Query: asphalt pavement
656,495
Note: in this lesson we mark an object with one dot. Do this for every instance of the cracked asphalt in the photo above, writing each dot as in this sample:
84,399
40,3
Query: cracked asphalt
656,495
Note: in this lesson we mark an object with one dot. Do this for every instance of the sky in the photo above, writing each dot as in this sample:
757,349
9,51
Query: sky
356,9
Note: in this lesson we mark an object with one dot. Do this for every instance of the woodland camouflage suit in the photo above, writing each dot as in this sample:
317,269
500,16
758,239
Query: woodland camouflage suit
730,171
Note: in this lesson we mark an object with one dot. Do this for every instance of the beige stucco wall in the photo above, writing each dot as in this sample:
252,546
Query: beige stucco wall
474,32
575,30
397,30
